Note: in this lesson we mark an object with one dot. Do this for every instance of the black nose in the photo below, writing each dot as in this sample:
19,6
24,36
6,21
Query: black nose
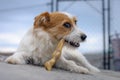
83,37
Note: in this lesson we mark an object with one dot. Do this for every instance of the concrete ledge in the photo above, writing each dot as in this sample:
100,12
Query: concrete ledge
29,72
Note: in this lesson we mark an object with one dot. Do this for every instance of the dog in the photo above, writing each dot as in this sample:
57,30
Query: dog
41,40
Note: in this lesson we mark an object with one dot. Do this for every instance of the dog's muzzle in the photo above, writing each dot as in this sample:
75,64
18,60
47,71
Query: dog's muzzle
76,44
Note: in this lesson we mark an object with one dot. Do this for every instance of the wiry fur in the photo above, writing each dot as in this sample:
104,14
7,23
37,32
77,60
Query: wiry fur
40,41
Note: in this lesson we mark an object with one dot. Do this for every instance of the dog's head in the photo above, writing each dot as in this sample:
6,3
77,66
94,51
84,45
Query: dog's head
60,25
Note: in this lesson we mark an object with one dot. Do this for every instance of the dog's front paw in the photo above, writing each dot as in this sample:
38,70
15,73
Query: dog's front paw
94,69
84,71
14,60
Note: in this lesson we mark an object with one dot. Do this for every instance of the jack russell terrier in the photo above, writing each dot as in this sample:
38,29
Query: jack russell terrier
41,40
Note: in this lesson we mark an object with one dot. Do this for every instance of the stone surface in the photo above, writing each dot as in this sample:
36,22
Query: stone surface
30,72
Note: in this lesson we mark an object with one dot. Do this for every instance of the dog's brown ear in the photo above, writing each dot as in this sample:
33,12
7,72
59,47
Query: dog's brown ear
42,20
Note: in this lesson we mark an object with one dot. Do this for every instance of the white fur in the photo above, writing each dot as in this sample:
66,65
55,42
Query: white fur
38,45
69,15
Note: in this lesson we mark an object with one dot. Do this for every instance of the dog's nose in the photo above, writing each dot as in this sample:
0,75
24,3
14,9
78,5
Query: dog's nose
83,37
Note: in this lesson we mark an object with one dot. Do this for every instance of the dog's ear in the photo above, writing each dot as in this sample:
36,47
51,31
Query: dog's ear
42,20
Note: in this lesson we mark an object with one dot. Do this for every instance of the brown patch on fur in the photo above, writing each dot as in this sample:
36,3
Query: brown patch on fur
41,20
53,23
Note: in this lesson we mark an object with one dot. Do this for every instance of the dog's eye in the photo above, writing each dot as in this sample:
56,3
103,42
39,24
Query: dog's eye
67,25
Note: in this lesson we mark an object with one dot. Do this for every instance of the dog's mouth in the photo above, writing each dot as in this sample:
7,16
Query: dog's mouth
74,44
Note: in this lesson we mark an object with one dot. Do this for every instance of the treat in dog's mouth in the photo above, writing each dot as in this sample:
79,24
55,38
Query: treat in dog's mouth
74,44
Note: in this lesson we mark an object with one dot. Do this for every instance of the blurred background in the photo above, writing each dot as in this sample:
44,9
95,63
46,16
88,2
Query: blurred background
99,19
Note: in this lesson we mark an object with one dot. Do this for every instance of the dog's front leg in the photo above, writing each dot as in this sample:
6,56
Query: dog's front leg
80,60
71,66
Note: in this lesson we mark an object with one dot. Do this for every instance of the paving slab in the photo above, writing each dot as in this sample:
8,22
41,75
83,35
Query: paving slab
31,72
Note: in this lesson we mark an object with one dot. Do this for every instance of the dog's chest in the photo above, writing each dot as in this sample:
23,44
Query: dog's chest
43,51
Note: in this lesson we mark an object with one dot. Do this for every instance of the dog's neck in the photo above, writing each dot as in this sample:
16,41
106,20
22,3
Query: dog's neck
44,38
